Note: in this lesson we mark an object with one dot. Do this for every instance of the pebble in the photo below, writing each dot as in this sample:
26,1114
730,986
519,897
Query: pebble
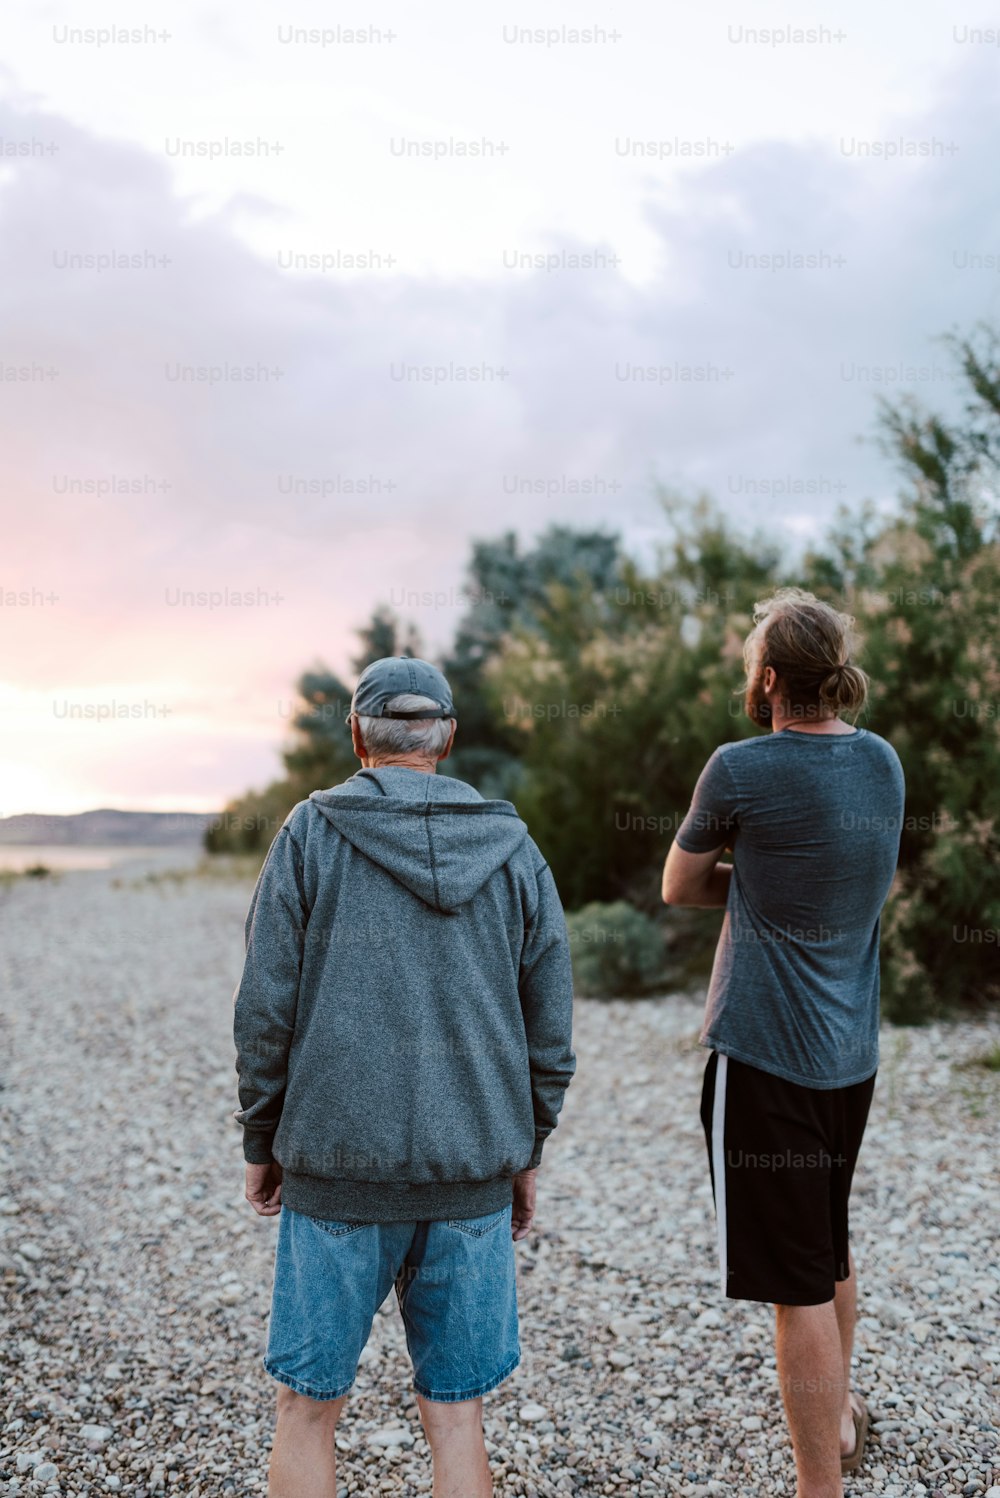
136,1320
97,1435
391,1435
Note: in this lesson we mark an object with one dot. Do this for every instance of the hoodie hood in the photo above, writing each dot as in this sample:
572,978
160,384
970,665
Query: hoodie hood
437,836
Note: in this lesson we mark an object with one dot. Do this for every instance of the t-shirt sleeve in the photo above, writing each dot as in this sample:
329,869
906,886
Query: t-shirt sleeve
711,821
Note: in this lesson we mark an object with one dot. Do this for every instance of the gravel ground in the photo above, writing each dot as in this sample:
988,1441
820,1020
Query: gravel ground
137,1279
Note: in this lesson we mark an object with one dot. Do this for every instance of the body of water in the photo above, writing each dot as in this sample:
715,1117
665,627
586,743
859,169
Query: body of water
16,857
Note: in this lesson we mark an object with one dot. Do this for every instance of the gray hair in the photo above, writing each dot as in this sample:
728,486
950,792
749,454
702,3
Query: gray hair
392,736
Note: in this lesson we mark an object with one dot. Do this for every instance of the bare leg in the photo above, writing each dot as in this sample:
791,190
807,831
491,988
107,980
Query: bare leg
455,1434
303,1456
811,1374
846,1305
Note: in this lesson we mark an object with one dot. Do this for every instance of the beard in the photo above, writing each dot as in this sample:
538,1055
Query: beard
755,704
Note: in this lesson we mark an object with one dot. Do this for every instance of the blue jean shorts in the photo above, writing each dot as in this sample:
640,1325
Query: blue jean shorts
456,1288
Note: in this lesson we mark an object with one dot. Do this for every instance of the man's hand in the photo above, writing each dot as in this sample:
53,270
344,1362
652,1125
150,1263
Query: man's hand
264,1188
523,1212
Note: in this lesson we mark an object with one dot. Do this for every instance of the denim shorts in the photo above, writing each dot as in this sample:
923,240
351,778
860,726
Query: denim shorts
456,1288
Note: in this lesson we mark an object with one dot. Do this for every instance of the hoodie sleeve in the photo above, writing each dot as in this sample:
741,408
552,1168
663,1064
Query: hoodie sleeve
546,990
265,1000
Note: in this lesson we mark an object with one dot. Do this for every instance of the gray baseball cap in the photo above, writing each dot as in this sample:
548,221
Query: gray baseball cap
394,675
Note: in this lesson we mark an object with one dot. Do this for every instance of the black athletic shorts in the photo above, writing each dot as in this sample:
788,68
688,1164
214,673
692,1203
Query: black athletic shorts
782,1157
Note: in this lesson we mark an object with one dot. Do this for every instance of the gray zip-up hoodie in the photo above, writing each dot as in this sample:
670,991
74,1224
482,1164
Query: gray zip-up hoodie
403,1022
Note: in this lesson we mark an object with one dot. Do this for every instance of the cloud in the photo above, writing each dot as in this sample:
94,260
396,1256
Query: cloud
245,403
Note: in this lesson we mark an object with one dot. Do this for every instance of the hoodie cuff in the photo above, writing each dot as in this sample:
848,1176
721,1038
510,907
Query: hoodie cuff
536,1153
257,1148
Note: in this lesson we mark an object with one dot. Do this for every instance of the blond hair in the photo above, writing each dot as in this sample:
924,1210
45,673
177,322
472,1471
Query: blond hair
808,644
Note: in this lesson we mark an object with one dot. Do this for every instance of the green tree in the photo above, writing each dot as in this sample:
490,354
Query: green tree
320,751
619,695
924,587
509,588
384,635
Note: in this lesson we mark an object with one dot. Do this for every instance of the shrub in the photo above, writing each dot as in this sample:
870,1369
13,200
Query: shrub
616,950
250,823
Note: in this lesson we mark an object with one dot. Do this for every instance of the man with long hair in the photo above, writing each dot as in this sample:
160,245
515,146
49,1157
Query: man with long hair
812,813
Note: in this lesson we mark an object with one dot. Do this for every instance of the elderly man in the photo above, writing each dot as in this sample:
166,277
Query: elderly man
813,813
403,1037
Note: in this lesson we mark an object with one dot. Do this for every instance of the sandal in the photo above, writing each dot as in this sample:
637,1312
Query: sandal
859,1411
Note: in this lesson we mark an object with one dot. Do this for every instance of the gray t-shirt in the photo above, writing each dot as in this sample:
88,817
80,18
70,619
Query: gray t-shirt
814,822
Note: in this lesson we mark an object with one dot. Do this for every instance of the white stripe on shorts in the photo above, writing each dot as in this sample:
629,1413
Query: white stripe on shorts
719,1166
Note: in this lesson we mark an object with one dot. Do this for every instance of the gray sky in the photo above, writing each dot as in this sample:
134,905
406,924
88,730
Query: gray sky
653,167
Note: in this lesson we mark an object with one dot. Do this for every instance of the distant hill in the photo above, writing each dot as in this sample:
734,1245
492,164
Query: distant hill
107,828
